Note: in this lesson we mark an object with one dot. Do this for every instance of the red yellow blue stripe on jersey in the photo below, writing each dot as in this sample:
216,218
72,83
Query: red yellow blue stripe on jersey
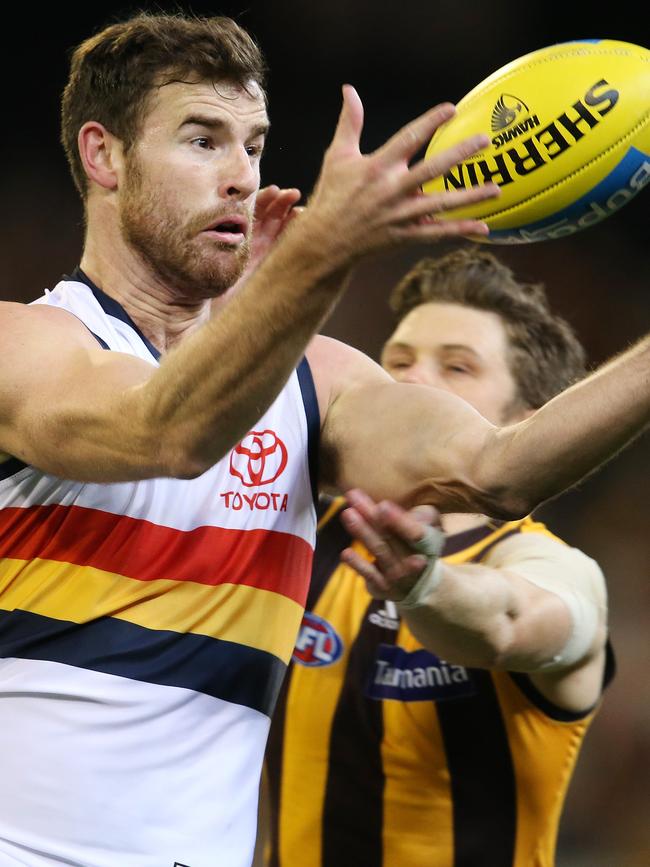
210,609
146,551
232,672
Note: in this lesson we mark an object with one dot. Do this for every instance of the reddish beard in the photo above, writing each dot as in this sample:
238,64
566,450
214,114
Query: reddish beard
172,248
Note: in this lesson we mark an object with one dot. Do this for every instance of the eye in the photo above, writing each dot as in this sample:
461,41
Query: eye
202,141
457,368
254,150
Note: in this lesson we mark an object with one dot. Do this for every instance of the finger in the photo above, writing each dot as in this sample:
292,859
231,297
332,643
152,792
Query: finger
350,124
362,503
267,193
381,586
360,529
408,526
375,581
451,200
415,135
427,514
426,204
274,203
440,163
437,228
392,525
295,212
264,198
390,518
279,208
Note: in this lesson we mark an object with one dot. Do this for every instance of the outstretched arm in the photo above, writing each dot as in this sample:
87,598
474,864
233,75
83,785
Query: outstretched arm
72,410
574,433
417,444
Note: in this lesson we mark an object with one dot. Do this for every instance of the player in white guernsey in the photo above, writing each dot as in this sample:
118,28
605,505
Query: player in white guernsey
149,625
158,464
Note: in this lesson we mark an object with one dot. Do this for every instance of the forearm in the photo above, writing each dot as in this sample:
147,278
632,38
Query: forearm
211,389
361,204
532,604
97,416
465,613
572,435
469,619
183,417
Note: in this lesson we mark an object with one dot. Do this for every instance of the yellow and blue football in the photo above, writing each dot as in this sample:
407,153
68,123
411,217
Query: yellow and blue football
569,129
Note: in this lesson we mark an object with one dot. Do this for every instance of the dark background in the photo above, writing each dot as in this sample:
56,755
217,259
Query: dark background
404,58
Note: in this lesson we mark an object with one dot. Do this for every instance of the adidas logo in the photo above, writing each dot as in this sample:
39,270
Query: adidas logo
387,617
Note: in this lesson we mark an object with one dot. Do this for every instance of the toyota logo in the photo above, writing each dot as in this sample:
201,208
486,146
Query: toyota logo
259,458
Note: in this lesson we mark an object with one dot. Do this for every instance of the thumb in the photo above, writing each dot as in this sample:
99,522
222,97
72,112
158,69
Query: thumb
350,124
427,515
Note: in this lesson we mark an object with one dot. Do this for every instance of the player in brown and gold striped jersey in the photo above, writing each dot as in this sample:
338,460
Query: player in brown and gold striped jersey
454,748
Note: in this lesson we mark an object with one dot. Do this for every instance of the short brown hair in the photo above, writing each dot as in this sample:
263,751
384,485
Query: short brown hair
113,73
544,354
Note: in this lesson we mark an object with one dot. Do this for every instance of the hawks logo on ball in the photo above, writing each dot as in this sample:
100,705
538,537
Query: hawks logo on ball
570,140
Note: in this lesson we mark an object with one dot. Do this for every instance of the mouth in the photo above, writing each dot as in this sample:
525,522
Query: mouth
228,230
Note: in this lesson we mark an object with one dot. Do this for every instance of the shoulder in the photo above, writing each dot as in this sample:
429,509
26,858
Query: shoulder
545,559
337,368
36,339
31,320
534,539
333,360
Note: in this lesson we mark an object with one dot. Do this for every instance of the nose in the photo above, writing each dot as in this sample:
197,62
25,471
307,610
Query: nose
421,373
239,176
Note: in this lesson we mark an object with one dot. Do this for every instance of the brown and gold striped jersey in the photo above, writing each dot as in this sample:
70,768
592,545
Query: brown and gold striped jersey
382,754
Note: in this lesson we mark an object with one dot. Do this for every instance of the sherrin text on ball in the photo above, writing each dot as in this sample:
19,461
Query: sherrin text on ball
569,130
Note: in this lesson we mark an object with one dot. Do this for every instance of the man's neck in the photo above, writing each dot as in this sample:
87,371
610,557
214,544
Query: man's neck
163,318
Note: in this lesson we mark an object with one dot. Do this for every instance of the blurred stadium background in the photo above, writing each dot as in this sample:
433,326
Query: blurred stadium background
404,58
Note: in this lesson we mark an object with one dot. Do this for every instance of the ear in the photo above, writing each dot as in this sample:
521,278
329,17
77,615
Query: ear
101,154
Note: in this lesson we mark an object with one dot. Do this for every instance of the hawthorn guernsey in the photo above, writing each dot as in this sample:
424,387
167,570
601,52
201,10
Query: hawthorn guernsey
570,139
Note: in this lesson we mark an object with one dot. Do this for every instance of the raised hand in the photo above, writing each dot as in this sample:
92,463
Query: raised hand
367,202
274,210
390,534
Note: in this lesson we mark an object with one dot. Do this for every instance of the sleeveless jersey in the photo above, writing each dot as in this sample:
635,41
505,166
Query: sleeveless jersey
382,754
145,629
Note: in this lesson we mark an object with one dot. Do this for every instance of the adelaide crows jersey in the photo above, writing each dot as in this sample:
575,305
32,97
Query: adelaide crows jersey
145,628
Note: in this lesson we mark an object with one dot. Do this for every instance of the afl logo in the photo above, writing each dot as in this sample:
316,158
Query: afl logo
259,459
317,644
506,111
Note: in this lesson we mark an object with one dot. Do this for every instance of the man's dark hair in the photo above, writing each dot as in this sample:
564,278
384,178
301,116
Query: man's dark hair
544,355
113,73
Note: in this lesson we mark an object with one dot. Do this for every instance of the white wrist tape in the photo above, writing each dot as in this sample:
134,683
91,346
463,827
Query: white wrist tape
430,545
566,572
585,620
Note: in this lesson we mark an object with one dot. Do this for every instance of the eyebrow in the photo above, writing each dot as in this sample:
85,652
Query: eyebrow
215,123
462,346
445,346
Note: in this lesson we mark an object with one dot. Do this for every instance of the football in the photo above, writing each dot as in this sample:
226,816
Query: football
569,129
